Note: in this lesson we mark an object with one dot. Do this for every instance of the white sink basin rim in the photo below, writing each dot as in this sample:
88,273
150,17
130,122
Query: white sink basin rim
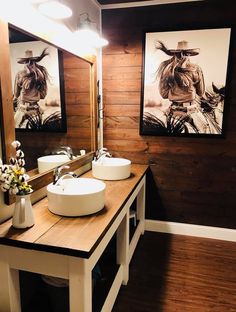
76,197
49,162
111,168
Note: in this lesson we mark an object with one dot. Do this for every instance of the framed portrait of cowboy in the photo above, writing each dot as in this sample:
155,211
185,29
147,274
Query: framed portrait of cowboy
38,87
184,82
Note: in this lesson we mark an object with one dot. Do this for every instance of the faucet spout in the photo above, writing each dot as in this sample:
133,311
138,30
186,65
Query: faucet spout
58,175
66,150
102,153
67,174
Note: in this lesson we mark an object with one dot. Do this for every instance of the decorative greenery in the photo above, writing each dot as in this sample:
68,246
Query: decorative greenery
13,177
36,122
173,124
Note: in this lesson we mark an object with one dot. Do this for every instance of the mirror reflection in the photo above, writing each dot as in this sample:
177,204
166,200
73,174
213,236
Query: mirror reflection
51,98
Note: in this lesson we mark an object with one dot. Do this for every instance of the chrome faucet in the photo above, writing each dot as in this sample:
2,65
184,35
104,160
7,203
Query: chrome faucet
58,175
66,150
101,153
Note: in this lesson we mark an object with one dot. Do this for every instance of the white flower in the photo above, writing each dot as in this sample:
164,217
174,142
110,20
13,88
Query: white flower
14,191
21,178
3,177
4,168
20,154
2,188
12,161
9,178
21,162
12,176
5,186
26,176
14,167
16,144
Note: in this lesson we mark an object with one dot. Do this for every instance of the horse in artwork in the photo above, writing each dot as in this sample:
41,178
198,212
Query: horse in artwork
212,104
206,120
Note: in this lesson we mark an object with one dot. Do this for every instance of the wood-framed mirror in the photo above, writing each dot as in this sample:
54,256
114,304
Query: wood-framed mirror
77,101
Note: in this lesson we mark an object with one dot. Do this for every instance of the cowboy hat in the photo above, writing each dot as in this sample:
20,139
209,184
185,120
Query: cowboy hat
29,57
182,46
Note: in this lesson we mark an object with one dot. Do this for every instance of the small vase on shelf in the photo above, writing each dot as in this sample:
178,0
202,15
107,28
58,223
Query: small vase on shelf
23,216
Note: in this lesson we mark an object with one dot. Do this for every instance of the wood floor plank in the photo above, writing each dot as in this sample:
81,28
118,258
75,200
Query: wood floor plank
175,273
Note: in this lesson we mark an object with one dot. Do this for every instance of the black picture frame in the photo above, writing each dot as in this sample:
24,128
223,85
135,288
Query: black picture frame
165,109
49,113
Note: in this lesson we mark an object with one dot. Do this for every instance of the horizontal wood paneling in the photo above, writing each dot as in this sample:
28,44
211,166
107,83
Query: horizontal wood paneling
122,110
125,97
127,73
122,85
78,110
76,98
122,43
121,60
191,180
83,121
121,122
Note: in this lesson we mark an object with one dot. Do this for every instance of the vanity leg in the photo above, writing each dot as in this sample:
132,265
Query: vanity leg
141,205
80,285
122,248
9,289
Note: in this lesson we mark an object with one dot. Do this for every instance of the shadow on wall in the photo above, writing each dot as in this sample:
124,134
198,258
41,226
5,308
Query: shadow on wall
154,206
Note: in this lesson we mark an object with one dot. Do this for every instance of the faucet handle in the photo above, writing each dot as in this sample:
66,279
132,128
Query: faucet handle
103,149
68,150
60,168
102,152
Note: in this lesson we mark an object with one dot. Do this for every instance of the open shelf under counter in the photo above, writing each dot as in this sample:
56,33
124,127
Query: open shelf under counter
69,248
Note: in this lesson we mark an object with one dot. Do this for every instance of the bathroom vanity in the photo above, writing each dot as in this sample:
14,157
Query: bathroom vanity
70,247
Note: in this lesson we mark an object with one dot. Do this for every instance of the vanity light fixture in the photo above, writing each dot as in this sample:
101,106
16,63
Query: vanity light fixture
87,32
54,9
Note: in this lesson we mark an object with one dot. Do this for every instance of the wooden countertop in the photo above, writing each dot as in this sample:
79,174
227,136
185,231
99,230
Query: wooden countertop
75,236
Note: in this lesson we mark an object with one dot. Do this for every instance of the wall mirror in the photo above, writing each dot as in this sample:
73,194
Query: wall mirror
64,116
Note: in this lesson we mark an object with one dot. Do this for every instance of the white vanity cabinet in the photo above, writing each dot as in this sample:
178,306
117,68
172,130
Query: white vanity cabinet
70,247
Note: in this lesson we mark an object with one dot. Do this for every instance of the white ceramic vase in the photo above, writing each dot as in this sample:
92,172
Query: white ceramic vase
23,216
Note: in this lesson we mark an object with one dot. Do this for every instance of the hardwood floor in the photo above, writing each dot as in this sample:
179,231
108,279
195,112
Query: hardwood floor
168,273
175,273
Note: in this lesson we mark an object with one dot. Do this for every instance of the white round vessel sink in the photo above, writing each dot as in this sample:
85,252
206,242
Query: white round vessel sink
49,162
111,168
76,196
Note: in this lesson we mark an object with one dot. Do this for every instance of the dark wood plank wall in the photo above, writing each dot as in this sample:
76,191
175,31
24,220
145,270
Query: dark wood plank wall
77,102
191,180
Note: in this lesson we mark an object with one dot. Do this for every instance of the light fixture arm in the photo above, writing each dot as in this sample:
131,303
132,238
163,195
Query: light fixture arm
86,22
88,32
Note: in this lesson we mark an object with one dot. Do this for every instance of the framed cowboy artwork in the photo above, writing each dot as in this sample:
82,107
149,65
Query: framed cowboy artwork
184,82
38,87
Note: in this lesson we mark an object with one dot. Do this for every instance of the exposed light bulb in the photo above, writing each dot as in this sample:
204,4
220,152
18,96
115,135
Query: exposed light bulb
102,42
55,9
88,33
91,38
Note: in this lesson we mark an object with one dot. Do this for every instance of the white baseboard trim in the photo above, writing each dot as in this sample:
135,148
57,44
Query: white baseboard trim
191,230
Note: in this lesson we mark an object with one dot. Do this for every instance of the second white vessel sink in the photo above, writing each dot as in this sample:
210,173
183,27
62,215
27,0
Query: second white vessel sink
49,162
76,196
111,168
